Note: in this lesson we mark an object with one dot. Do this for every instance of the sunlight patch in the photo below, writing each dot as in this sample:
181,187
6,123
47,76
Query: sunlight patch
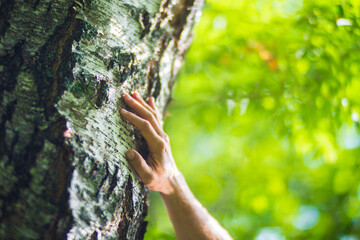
307,217
270,233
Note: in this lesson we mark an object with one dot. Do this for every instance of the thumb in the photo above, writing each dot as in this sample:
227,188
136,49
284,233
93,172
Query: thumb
140,166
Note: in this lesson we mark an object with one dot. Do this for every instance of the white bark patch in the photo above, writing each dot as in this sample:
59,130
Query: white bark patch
105,137
112,50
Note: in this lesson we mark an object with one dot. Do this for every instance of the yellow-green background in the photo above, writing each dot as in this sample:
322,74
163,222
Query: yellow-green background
264,121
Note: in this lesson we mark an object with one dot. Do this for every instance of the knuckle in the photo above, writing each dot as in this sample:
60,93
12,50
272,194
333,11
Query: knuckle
162,145
157,114
158,119
153,113
150,116
145,125
166,138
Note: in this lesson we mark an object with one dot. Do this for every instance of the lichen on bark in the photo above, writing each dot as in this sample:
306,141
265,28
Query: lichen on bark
64,66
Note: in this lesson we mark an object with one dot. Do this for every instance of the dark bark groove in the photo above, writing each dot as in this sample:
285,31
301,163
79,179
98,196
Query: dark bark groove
20,152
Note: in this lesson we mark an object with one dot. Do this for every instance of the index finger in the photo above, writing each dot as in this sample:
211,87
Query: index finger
152,138
143,112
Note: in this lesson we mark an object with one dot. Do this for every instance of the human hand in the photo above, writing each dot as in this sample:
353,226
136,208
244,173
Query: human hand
158,171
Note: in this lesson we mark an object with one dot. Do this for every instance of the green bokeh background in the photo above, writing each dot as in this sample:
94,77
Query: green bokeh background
264,121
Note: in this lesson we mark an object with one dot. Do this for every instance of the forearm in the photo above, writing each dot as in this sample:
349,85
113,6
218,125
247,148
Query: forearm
190,219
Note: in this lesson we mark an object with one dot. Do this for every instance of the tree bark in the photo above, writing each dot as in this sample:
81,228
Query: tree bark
64,66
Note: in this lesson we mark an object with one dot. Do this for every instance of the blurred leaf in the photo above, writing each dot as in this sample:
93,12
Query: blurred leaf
264,122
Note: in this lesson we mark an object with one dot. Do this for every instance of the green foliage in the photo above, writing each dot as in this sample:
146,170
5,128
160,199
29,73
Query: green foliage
264,124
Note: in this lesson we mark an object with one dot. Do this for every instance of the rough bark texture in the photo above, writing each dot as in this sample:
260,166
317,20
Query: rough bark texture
64,65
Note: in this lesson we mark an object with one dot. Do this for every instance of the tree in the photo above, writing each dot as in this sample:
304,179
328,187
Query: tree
64,66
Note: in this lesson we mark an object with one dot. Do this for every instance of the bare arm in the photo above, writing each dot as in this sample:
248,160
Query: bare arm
159,173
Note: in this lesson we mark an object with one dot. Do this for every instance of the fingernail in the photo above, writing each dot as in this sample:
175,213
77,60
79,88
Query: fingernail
130,155
123,110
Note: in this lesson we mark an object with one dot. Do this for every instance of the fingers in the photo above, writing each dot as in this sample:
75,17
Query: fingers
144,111
151,102
140,166
152,138
136,96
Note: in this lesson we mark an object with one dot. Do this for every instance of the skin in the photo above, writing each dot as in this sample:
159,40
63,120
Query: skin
159,173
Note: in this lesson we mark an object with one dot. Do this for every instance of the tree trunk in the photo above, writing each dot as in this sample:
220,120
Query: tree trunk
64,66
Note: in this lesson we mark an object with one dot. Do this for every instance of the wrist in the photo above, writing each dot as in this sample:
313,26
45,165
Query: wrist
175,183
